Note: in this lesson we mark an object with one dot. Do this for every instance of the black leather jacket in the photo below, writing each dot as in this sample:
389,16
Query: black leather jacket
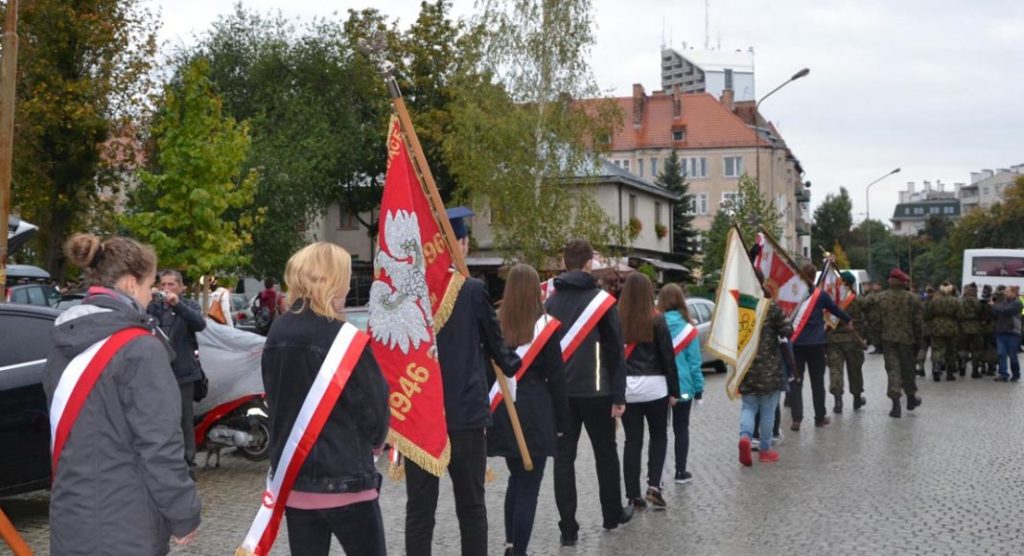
573,291
342,458
180,324
656,358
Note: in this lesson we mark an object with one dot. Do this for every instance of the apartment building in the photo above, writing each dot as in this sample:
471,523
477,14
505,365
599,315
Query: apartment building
917,206
708,71
987,187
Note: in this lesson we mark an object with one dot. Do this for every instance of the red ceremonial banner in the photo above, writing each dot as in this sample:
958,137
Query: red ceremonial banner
778,269
412,296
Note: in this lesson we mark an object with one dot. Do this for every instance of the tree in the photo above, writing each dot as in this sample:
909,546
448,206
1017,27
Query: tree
522,144
684,237
82,76
181,206
749,213
833,220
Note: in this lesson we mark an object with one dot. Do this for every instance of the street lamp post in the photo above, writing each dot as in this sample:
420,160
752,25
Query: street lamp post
867,219
757,106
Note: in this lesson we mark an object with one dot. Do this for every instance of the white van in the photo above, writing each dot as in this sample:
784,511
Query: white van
859,274
994,267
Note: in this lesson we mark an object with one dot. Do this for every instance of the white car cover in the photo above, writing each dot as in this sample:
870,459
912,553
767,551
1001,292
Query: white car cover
231,360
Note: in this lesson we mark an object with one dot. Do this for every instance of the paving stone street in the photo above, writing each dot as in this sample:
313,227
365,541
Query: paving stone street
945,479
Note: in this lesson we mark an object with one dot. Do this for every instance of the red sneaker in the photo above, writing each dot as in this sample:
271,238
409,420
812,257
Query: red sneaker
768,456
745,458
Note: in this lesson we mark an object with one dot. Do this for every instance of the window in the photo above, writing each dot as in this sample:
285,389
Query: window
997,266
731,199
617,163
625,164
691,205
733,166
702,203
949,210
728,79
934,210
632,207
640,166
918,210
657,214
347,220
780,204
984,191
678,135
696,167
654,167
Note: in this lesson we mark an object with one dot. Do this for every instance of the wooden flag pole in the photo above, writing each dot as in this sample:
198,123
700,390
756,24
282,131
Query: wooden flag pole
12,538
434,196
7,94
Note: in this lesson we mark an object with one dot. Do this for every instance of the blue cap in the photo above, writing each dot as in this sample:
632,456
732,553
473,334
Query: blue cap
456,216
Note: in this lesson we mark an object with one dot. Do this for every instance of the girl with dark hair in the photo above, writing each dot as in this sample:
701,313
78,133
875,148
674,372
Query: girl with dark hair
540,401
686,346
652,386
120,483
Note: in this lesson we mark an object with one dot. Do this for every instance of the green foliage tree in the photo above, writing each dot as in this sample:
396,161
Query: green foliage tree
181,207
996,226
521,145
83,76
833,220
750,212
684,237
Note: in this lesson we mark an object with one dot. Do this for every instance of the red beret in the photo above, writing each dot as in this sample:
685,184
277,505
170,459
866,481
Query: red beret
898,274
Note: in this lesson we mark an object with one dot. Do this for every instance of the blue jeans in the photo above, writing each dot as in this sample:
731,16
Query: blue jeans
1008,343
765,406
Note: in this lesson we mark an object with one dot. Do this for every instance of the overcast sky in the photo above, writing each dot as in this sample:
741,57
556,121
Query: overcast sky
930,86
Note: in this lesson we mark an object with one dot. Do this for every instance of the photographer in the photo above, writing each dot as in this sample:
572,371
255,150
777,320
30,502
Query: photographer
180,319
1006,308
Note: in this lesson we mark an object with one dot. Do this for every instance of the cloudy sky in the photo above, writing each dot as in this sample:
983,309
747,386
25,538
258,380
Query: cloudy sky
930,86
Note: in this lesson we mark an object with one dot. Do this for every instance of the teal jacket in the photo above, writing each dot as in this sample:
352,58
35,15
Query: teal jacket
691,379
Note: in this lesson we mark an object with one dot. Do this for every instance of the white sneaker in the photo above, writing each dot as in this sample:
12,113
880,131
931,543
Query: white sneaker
778,439
755,445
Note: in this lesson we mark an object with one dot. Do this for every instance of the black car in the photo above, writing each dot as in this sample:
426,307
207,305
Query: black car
24,416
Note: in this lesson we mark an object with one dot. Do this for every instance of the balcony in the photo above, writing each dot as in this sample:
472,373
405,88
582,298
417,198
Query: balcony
803,228
803,196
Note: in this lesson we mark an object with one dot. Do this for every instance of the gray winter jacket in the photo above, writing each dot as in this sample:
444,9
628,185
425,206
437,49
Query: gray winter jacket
122,486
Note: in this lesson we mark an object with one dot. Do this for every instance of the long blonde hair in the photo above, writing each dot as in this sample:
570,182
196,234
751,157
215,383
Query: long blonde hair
316,275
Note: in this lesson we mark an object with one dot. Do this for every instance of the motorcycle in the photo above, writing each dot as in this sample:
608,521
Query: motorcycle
234,413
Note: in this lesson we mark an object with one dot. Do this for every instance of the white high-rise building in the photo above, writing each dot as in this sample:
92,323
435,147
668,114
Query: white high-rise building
708,71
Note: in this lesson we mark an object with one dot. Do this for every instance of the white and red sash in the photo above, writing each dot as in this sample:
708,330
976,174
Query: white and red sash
584,325
684,337
542,332
803,313
75,384
547,289
330,380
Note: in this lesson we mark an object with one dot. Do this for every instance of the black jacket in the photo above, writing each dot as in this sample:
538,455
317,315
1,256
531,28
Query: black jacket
584,379
180,324
342,458
467,343
656,357
542,407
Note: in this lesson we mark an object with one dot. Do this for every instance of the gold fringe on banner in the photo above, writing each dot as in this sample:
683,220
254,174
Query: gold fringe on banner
396,469
443,311
430,464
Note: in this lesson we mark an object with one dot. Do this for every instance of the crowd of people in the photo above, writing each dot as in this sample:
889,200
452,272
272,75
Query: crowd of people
634,358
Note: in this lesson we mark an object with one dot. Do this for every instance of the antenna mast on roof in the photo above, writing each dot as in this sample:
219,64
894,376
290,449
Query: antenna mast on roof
707,39
663,32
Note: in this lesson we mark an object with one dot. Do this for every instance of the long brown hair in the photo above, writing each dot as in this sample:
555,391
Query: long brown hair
671,298
636,308
520,305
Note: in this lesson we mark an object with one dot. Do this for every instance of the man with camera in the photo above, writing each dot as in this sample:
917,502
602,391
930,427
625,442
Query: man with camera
1006,308
180,319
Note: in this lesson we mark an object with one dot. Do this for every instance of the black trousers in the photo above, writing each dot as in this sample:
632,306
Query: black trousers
521,502
681,429
812,359
656,414
188,422
359,528
596,415
467,468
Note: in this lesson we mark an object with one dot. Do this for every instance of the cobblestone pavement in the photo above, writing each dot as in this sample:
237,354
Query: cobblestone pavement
945,479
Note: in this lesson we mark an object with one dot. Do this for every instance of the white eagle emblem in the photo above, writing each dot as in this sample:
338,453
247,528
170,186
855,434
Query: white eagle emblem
400,313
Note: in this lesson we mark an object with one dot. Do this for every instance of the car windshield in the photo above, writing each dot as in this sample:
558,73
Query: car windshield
357,318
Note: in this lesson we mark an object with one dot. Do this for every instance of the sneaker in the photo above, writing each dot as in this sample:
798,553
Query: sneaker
768,456
824,422
683,478
654,497
1015,379
1002,379
795,426
745,457
638,504
755,445
777,438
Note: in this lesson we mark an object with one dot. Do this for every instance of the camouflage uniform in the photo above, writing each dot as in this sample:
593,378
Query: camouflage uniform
902,330
921,355
765,374
971,330
871,324
988,338
941,313
844,348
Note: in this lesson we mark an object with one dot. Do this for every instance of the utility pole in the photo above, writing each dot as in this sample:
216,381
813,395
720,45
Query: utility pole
8,75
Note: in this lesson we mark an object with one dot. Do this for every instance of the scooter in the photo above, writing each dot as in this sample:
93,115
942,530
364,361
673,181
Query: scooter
234,413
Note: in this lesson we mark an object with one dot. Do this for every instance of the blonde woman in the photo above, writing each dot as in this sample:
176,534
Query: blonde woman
337,488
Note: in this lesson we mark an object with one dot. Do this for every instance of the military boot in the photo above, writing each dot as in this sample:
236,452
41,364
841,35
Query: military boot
913,401
963,367
859,401
975,369
937,372
838,408
950,374
896,410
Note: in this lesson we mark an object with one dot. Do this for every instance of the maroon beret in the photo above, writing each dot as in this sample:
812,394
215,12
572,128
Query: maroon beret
899,275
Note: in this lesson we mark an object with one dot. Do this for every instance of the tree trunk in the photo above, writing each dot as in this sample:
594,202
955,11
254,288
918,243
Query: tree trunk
57,233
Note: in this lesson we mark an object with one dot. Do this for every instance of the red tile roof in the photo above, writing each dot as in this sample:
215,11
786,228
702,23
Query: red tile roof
707,123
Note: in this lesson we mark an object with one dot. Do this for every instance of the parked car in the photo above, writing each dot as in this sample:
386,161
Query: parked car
24,417
30,285
701,311
242,312
69,300
358,316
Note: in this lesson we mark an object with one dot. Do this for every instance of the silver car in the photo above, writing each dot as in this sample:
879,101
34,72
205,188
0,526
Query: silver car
701,310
